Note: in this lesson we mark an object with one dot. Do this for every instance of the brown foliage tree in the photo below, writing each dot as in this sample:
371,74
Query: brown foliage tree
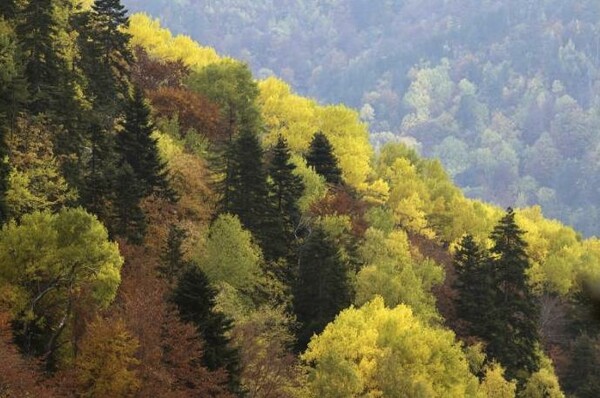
150,73
19,377
193,110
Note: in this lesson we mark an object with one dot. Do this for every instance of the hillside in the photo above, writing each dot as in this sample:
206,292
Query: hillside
173,226
460,80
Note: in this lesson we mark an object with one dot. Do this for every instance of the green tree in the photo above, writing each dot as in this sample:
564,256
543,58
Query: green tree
98,185
173,256
139,149
583,374
286,189
230,85
474,284
55,263
247,191
195,299
230,255
320,156
129,218
107,56
45,66
8,9
512,332
323,286
36,182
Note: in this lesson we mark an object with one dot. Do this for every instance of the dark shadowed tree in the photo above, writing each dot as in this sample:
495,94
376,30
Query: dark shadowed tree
320,156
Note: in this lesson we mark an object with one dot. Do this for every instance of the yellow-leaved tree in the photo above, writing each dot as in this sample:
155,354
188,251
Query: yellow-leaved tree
374,351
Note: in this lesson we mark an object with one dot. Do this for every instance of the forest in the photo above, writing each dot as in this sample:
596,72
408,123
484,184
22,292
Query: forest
458,80
175,226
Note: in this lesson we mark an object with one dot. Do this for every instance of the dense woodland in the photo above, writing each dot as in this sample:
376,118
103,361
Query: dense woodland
173,227
504,92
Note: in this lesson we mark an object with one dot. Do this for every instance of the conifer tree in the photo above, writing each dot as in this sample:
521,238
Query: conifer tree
512,335
172,257
474,284
247,192
320,156
138,148
286,189
195,300
130,218
107,54
98,185
8,9
322,288
44,68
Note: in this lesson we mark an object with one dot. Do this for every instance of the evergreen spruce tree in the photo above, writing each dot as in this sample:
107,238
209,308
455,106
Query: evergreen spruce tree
107,55
247,193
195,300
4,174
513,335
320,156
98,185
582,379
172,258
138,148
45,69
130,218
8,9
475,286
322,288
286,189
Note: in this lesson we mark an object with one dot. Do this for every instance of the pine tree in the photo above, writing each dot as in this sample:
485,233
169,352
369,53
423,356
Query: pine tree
138,148
286,189
475,286
195,300
320,156
247,191
322,288
172,258
513,334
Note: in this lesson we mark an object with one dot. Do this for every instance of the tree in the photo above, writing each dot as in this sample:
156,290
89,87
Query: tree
98,185
377,351
139,149
130,220
8,9
54,261
230,85
320,156
286,189
45,66
245,192
512,331
494,385
583,373
322,288
173,257
195,300
106,360
231,257
35,180
107,56
474,284
389,271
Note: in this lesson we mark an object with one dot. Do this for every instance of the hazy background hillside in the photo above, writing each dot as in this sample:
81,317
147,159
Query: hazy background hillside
505,92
